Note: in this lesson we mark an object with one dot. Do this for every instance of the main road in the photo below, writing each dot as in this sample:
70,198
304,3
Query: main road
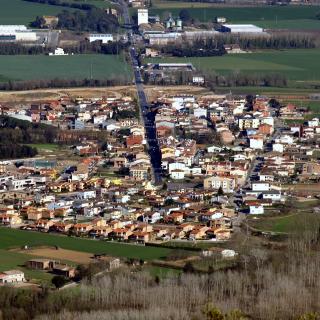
147,116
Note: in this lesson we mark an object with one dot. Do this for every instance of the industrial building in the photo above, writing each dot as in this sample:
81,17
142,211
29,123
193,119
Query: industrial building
105,38
13,33
240,28
143,16
162,38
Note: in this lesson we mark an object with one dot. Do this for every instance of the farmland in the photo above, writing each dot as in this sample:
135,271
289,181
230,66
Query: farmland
10,238
300,65
63,67
22,12
284,17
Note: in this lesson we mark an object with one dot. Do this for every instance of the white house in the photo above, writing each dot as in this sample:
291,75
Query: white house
200,112
256,143
11,276
256,209
260,186
278,147
58,52
177,174
274,195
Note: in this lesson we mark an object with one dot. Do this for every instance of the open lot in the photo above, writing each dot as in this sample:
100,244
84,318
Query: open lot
10,238
60,254
63,67
273,17
301,66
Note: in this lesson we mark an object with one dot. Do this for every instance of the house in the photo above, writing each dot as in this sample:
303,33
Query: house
174,217
260,186
10,219
64,270
256,209
227,183
39,264
11,276
82,227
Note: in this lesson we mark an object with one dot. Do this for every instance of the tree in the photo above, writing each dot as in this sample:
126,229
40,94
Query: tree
184,15
188,268
59,281
220,192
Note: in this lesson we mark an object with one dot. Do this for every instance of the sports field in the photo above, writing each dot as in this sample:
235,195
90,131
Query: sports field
276,17
300,66
64,67
10,238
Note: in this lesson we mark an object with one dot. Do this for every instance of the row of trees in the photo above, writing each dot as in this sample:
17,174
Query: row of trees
81,47
75,5
95,19
280,41
212,79
63,83
14,151
198,48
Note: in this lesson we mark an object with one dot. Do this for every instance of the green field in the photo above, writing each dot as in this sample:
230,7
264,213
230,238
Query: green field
98,3
44,146
13,260
93,66
22,12
299,65
279,17
10,238
292,223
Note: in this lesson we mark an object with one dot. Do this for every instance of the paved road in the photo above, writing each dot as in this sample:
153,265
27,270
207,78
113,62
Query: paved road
147,116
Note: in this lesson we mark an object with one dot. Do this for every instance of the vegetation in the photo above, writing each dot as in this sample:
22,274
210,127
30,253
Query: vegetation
22,12
278,17
10,238
75,68
299,65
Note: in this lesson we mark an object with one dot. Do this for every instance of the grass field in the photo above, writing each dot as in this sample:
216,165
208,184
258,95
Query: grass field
292,223
10,238
285,17
44,146
64,67
14,260
22,12
300,65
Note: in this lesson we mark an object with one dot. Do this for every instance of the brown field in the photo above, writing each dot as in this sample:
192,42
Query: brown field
61,254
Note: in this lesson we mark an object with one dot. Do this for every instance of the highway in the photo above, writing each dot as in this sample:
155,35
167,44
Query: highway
147,116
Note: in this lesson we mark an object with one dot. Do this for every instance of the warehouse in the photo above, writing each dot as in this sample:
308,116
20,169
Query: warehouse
14,33
241,28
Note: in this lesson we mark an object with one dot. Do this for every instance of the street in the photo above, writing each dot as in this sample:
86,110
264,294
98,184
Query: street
147,116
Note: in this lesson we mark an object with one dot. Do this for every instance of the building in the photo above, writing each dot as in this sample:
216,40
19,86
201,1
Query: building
143,16
104,38
227,184
11,276
58,52
13,33
241,28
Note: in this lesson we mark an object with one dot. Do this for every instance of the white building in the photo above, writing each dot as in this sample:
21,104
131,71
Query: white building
260,186
143,16
278,147
11,276
105,38
58,52
256,209
241,28
256,143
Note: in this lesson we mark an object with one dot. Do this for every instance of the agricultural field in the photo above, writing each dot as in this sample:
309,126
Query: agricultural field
10,238
22,12
283,224
301,66
14,260
98,3
64,67
269,17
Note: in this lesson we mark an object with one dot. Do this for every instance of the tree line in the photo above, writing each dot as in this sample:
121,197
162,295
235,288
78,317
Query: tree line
80,6
63,83
213,80
197,48
82,47
15,133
